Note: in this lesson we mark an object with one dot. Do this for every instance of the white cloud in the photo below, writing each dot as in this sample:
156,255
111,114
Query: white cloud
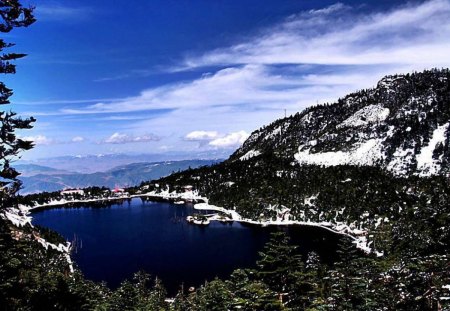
312,57
401,40
59,12
118,138
230,140
250,86
77,139
39,140
201,135
416,35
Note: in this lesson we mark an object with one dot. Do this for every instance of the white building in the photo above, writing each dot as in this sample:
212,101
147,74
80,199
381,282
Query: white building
72,191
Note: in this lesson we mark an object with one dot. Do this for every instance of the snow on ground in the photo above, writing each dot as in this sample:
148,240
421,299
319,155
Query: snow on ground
426,165
250,154
254,136
19,217
367,115
309,200
366,153
307,118
15,217
283,218
274,133
65,249
401,160
166,194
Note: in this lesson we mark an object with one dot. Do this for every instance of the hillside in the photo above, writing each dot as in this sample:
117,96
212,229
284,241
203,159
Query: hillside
27,170
401,125
39,178
375,161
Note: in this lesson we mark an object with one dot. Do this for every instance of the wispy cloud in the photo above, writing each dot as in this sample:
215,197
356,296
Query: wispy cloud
43,140
39,140
58,12
239,86
78,139
407,38
339,35
67,101
136,73
311,57
118,138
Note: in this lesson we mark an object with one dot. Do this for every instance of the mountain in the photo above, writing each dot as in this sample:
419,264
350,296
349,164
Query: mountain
401,125
33,169
87,164
39,178
375,163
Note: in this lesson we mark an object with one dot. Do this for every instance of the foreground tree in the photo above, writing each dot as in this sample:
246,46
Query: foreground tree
12,15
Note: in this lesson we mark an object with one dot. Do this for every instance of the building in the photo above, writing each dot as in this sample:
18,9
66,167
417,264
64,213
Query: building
72,192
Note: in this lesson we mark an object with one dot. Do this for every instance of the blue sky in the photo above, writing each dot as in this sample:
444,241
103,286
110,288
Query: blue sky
197,77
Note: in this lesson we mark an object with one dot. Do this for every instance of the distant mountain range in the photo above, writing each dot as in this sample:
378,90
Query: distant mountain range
103,162
38,178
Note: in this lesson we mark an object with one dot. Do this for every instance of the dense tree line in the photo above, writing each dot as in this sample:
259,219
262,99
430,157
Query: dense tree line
33,278
46,197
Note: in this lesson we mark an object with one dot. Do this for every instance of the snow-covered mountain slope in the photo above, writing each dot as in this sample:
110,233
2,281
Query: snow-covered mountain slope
401,125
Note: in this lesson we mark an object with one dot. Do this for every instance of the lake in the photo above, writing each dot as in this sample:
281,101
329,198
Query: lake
118,240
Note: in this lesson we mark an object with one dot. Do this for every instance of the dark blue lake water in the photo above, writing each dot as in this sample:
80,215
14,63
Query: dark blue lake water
139,235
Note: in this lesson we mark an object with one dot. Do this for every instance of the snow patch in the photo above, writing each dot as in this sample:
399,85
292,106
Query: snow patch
307,118
310,200
274,133
14,216
284,217
19,217
426,165
366,153
367,115
401,161
65,249
250,154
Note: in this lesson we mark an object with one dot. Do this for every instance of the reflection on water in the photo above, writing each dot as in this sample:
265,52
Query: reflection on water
116,241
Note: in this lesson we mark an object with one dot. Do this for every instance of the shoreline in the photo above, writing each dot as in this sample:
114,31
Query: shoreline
358,236
62,203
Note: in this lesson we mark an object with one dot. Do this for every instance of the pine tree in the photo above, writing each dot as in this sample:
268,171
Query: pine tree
278,263
181,302
12,15
156,298
348,283
307,289
213,296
